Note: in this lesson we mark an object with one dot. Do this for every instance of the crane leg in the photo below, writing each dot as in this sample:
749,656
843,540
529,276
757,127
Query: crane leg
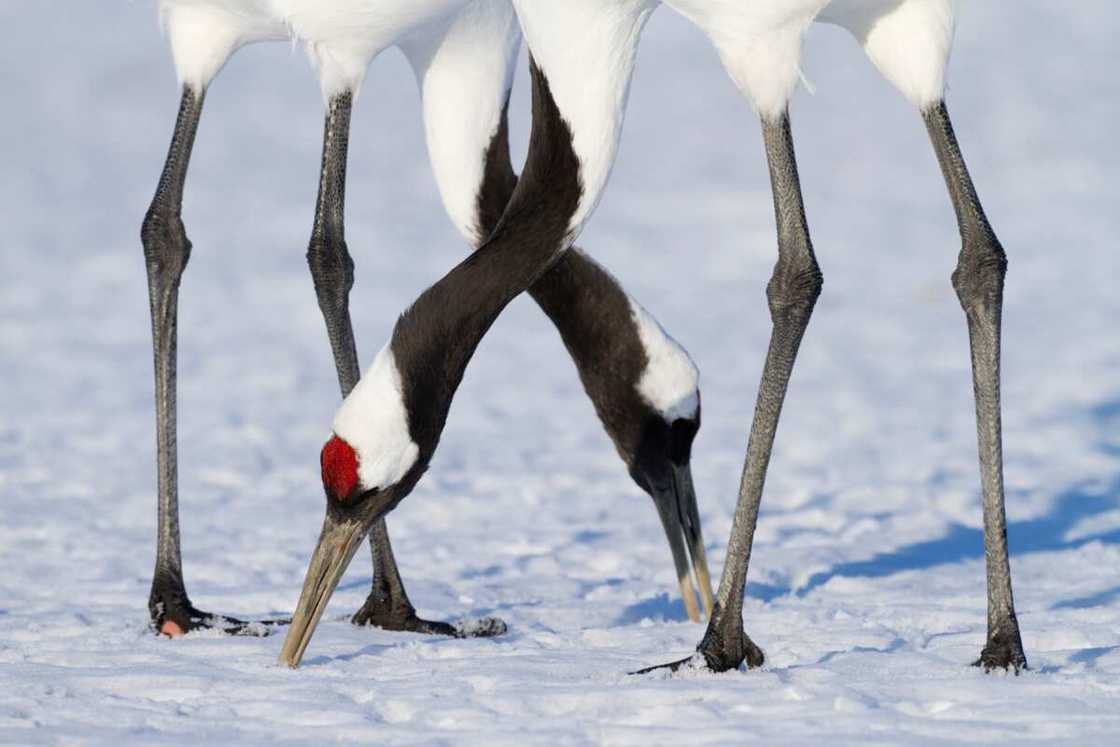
332,271
978,281
166,251
792,293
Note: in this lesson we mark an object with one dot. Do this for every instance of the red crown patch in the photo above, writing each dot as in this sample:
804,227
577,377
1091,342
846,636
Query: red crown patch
340,468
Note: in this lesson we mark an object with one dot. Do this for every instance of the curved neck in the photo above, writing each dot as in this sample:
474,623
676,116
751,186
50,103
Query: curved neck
435,338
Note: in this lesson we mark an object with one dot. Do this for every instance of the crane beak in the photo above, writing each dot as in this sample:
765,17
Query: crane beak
338,542
676,505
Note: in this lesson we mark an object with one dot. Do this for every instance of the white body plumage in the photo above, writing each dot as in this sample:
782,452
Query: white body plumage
587,49
341,36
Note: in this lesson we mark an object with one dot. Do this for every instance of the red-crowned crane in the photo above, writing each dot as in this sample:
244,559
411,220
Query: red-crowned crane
583,55
642,383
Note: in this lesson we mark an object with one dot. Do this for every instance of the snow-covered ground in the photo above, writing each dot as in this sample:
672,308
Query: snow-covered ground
866,589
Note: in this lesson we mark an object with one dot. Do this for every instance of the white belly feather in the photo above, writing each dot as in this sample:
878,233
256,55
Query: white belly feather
341,36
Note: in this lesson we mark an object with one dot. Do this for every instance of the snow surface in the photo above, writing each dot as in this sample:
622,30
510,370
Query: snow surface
866,589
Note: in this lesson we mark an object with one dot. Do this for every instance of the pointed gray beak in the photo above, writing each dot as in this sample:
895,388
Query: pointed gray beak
676,505
338,542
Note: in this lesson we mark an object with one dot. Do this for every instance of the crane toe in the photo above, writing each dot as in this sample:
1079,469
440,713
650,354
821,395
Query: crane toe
387,616
1004,651
171,629
175,622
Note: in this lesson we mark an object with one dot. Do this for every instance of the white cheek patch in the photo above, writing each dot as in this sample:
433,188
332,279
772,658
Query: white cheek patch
670,381
373,420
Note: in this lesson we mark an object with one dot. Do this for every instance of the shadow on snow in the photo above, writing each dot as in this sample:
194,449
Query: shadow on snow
1045,534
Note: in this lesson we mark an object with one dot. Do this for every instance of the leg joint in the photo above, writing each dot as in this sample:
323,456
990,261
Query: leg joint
795,286
980,272
332,270
166,246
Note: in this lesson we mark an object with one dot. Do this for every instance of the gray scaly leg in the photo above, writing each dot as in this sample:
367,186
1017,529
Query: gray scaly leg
792,294
166,251
978,281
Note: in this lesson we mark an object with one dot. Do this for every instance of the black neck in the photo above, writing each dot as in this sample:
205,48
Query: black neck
588,308
435,338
